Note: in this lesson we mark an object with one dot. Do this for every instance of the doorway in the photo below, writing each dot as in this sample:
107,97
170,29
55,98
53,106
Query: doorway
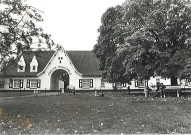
174,81
59,80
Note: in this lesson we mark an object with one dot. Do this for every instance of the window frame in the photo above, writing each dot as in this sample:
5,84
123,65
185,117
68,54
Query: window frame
82,82
20,83
138,82
30,83
21,68
102,83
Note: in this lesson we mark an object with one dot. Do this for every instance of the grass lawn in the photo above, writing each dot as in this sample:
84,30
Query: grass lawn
15,94
114,113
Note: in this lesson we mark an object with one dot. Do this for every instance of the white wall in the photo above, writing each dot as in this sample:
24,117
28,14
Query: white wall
66,64
153,80
55,64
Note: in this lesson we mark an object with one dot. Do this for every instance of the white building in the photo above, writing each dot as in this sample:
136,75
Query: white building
55,70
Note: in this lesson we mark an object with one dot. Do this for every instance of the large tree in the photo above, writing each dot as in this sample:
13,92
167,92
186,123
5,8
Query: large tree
157,39
161,37
110,38
19,30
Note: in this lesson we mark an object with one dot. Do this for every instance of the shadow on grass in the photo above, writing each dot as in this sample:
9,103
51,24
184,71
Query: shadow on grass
83,113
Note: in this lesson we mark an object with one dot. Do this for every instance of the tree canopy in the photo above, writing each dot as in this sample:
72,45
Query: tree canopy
156,40
19,30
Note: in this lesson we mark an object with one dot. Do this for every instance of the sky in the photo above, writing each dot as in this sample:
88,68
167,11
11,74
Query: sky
73,23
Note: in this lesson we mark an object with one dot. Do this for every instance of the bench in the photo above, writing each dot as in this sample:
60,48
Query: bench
177,89
71,89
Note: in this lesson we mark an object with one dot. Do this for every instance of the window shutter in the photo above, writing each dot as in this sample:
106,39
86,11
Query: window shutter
10,83
186,82
124,84
146,82
91,83
80,83
21,83
38,83
136,83
28,83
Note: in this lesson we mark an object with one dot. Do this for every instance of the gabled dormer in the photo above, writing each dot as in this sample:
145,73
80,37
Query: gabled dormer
34,65
21,65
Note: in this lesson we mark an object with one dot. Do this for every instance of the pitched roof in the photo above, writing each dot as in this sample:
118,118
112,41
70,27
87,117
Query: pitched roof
42,57
85,62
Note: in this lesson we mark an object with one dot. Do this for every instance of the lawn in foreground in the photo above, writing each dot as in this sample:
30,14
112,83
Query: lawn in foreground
85,114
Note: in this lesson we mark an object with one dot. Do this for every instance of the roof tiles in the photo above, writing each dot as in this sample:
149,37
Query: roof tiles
85,62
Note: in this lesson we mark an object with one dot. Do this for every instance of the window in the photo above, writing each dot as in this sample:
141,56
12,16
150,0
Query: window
86,83
17,83
141,83
157,80
21,65
124,84
33,67
120,85
102,83
60,59
21,68
33,83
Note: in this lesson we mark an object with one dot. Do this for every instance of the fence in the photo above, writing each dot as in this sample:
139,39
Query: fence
20,93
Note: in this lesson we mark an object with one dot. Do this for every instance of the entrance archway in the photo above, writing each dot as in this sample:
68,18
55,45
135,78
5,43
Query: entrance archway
59,80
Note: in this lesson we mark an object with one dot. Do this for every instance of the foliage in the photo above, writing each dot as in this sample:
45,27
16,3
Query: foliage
157,38
111,36
18,28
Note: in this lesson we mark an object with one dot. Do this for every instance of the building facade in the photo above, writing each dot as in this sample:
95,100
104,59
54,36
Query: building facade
55,70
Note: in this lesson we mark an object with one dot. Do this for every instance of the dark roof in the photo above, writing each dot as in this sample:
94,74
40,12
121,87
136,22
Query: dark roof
85,62
42,57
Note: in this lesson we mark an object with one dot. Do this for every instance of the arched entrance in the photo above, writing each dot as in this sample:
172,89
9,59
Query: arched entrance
59,80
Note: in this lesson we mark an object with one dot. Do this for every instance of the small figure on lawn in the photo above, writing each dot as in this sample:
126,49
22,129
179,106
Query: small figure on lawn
182,87
162,87
158,86
95,94
157,92
102,94
74,92
128,89
151,89
146,91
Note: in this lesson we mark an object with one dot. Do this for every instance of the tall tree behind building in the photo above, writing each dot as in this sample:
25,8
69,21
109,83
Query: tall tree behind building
157,39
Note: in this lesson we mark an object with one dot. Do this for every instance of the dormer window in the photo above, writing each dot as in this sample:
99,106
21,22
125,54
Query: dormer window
34,68
21,68
21,65
34,65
